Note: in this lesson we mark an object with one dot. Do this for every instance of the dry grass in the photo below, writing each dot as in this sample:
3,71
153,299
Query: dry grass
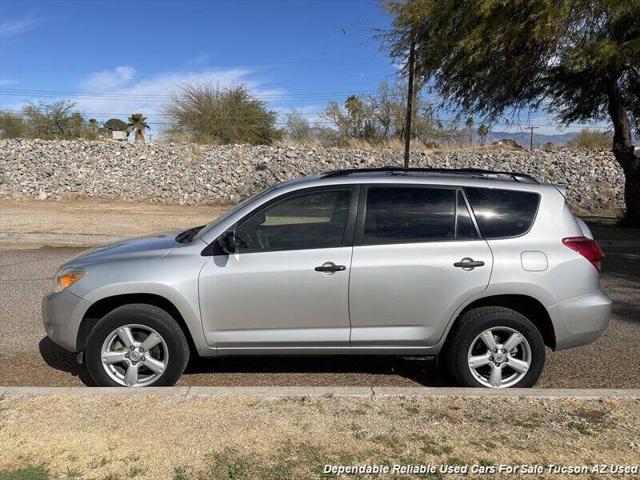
246,437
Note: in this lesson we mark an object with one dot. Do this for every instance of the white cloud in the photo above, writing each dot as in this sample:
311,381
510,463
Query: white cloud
115,93
199,60
16,26
121,91
108,79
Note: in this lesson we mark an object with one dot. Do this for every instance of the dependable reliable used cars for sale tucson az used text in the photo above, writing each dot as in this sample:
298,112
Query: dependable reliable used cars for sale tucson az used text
481,269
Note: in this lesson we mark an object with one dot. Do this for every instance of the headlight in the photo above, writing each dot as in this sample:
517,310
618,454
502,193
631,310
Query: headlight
66,278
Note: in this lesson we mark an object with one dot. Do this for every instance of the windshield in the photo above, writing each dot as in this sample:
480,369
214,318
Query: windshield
230,212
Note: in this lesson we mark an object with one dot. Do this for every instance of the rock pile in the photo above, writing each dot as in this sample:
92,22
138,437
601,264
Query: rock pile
196,174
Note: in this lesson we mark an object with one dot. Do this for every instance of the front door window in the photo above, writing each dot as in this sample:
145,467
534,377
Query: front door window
304,221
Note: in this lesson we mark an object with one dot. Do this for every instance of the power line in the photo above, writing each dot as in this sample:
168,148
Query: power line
154,97
121,114
449,123
288,97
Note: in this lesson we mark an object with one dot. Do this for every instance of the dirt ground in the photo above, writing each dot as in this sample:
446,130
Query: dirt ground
173,437
100,217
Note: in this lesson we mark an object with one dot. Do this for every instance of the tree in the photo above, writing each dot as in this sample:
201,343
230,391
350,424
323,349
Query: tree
56,120
483,131
298,127
357,118
578,59
115,125
137,124
469,124
382,116
362,115
205,113
386,108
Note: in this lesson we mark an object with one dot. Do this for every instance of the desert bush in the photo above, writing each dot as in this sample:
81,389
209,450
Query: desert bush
205,113
592,140
12,125
298,128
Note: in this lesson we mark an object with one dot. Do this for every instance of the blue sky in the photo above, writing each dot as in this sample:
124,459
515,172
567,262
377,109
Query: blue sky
114,58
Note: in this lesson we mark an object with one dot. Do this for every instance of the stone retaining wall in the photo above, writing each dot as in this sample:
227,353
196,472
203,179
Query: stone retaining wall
197,174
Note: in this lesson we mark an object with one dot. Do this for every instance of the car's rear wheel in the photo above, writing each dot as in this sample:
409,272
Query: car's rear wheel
496,347
136,345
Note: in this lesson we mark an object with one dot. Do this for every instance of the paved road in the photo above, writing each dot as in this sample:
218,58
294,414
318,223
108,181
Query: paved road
29,358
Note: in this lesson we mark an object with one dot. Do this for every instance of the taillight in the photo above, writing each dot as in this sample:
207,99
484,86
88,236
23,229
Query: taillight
586,247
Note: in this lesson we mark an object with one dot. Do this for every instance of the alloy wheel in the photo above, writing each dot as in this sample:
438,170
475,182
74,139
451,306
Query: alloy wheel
134,355
499,357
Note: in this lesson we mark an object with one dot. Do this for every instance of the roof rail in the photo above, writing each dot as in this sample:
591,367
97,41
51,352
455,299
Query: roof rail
518,177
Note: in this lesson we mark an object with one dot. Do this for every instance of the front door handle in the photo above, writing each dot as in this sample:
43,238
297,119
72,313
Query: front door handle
330,267
469,263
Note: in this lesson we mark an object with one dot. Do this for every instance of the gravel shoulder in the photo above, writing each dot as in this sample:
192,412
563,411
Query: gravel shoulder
173,437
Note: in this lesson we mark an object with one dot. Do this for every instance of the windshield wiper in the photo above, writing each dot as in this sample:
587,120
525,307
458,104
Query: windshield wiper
187,235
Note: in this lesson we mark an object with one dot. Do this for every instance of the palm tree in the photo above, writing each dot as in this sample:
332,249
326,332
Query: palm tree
469,124
483,131
138,124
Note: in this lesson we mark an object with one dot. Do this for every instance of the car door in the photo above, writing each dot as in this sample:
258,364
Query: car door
417,257
287,283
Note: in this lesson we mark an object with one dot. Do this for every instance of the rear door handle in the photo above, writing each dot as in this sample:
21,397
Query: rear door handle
469,263
330,267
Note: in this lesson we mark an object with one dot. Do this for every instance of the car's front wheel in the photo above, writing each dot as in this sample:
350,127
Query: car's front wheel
496,347
136,345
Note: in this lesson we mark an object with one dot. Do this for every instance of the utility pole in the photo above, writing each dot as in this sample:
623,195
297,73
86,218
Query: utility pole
531,129
407,131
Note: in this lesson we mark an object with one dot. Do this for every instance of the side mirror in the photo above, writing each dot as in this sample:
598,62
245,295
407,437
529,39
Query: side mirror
227,242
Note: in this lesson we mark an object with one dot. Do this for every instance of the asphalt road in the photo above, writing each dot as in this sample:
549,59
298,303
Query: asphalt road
28,358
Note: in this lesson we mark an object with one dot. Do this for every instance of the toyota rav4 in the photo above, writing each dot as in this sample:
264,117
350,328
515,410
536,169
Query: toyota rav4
480,269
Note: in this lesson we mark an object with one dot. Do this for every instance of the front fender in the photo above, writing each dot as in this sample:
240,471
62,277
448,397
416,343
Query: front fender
182,301
173,277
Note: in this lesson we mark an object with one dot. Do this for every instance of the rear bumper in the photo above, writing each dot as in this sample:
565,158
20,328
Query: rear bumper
61,315
580,320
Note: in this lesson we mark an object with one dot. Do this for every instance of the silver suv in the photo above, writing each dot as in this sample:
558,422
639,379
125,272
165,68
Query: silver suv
483,269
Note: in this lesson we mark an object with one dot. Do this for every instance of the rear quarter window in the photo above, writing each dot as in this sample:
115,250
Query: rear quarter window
503,213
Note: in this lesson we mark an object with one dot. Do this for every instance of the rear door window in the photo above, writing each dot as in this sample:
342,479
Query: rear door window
409,214
503,213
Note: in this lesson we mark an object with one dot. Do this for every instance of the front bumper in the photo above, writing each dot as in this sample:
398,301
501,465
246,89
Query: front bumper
580,320
61,315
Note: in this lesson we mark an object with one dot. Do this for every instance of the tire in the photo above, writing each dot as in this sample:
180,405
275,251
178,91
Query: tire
121,335
519,368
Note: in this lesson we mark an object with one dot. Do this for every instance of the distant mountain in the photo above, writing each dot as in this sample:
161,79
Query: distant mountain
523,138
